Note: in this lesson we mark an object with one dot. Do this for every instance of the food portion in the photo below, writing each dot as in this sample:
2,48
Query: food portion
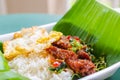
73,53
39,55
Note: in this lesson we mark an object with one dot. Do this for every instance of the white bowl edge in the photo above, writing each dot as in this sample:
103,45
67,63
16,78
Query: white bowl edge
101,75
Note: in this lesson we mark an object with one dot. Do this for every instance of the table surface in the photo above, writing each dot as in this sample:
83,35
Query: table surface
14,22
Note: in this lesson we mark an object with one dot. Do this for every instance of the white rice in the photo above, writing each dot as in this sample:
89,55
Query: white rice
36,67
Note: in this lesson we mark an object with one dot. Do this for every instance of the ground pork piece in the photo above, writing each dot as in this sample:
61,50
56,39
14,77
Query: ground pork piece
83,67
61,53
83,55
62,43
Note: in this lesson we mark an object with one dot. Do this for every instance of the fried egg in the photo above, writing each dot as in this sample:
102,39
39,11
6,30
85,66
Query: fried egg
29,40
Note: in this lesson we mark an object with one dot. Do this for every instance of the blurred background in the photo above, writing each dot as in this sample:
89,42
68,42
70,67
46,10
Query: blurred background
43,6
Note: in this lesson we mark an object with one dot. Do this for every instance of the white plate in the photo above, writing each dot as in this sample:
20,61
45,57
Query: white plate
103,74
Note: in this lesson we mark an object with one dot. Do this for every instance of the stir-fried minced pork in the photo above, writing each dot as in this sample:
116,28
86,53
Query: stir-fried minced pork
73,52
61,53
84,67
62,43
65,43
83,55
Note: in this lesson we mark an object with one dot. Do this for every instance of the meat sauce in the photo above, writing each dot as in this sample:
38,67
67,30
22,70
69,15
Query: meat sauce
79,60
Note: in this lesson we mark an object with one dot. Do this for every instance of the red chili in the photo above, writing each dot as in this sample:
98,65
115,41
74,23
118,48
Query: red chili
77,39
56,64
68,37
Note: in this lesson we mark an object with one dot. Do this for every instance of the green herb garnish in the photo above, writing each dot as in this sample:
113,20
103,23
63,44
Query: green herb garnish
75,45
76,76
58,69
100,63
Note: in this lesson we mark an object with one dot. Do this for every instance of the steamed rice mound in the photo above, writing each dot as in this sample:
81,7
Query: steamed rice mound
27,56
36,67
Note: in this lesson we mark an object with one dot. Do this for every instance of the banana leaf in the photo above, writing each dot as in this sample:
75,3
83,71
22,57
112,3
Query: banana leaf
97,25
10,75
3,63
1,46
